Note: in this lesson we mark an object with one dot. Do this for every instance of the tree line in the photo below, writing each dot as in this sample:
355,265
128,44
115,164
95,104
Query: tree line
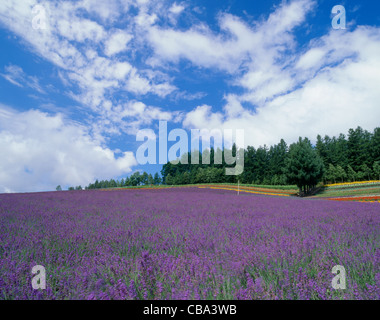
136,179
354,157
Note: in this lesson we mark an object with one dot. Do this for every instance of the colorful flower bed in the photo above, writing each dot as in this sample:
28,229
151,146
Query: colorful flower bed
236,189
354,184
255,190
360,199
364,191
265,190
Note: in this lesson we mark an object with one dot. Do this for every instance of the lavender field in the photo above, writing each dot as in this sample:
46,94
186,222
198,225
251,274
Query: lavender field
186,243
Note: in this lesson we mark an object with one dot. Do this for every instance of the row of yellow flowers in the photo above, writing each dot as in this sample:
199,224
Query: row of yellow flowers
247,191
352,183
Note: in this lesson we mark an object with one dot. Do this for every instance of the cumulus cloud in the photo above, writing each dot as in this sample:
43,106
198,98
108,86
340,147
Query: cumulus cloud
42,151
337,91
176,8
140,84
117,42
80,29
236,39
74,41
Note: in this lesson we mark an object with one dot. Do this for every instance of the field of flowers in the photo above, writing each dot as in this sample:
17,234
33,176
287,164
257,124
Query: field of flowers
186,243
364,191
267,192
373,183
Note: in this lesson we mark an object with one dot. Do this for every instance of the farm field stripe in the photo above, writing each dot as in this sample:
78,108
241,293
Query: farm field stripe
247,191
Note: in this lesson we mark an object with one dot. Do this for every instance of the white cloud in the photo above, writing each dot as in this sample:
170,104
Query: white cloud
139,84
174,12
108,10
145,20
12,74
341,94
43,151
80,29
117,42
74,41
197,45
203,117
15,75
238,47
311,59
176,8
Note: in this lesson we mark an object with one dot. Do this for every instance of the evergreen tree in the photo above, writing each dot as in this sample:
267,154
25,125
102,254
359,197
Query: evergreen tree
169,180
144,178
321,149
340,173
341,151
262,164
304,165
150,179
200,176
359,148
249,165
135,179
167,169
331,173
185,178
156,179
351,174
277,156
376,169
376,145
367,172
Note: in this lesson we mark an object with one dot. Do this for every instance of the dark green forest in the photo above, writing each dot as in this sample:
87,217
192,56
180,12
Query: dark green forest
346,158
353,157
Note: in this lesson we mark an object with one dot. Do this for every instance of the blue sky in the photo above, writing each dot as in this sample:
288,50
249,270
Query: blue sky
74,94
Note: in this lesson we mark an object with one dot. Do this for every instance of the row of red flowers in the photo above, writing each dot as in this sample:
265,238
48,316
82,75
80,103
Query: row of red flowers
365,198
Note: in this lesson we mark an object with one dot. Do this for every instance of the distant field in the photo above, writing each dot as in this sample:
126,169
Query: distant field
186,243
346,191
355,192
246,188
289,187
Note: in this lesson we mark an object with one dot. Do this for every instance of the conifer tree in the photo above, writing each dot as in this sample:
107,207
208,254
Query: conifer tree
304,166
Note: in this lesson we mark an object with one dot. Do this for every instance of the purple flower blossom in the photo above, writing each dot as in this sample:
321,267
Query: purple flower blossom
186,243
